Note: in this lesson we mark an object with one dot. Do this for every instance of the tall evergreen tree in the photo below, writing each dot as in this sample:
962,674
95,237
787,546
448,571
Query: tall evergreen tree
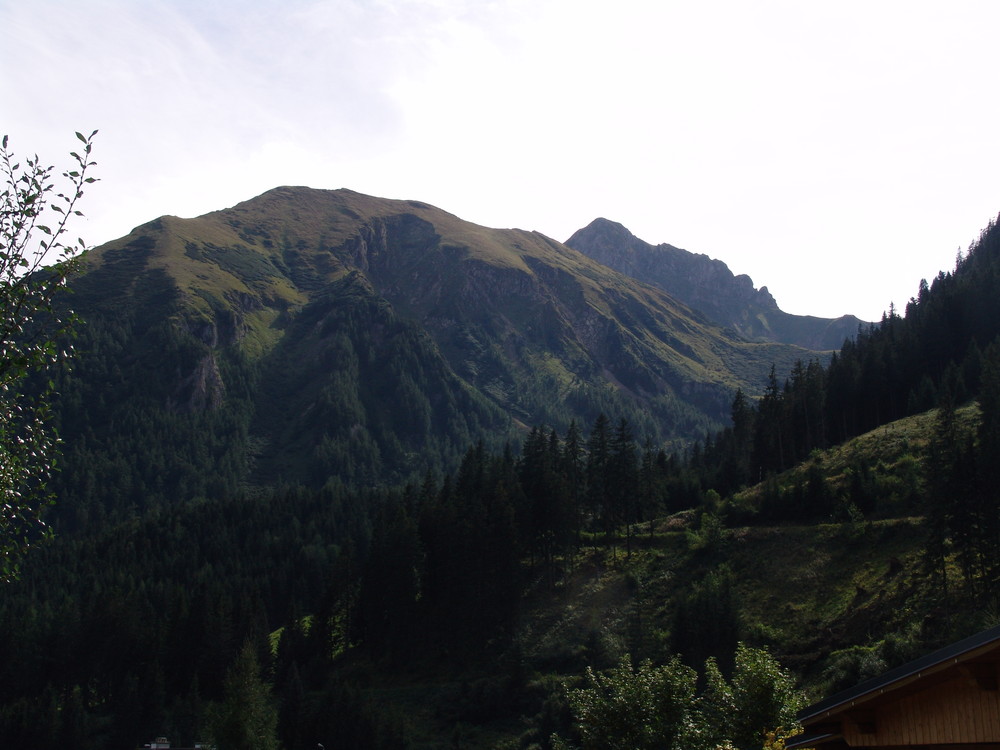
247,718
769,439
599,493
624,480
951,514
649,485
738,448
573,469
391,581
988,495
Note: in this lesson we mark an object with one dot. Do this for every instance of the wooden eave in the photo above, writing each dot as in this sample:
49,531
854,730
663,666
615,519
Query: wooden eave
976,659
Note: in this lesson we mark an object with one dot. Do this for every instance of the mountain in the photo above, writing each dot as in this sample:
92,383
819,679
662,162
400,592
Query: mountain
221,354
308,335
709,286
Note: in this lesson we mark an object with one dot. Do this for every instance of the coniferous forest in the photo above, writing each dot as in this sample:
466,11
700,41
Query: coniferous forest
376,554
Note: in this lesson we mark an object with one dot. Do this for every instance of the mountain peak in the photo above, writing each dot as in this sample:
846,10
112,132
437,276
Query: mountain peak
708,286
611,243
607,226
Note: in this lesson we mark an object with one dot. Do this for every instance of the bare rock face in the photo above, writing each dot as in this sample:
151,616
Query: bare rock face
201,389
701,282
709,287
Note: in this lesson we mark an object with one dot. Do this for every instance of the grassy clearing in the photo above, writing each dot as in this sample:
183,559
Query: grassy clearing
893,454
805,592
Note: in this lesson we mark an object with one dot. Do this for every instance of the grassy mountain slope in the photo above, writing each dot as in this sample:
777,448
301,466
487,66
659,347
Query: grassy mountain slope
331,334
504,306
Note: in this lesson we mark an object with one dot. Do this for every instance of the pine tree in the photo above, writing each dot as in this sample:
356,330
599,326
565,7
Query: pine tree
391,579
769,438
550,524
247,718
598,472
624,480
947,519
572,468
649,485
735,469
988,489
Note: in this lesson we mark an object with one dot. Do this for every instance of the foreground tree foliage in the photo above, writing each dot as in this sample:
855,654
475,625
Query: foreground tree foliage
658,707
636,708
35,259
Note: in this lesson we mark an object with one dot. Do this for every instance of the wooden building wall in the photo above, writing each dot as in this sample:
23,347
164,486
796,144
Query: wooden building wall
955,712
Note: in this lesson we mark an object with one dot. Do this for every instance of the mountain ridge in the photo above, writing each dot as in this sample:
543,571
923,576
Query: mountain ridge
707,285
533,265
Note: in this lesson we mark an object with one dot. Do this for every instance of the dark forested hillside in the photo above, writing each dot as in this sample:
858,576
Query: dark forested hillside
942,354
898,367
132,627
329,603
456,609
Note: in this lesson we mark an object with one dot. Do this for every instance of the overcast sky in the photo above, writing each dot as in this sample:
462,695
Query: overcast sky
836,152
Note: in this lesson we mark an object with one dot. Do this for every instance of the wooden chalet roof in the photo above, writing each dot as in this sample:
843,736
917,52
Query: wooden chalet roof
974,660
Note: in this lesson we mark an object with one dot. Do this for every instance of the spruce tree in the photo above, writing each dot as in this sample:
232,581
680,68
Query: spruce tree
247,718
624,480
988,490
598,466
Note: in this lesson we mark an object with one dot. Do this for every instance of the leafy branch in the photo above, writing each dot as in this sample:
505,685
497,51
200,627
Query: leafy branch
36,259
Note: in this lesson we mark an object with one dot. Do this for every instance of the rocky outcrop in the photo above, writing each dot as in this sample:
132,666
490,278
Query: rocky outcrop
709,287
201,389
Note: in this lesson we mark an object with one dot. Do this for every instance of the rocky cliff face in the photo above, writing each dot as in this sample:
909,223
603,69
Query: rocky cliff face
708,286
702,282
496,321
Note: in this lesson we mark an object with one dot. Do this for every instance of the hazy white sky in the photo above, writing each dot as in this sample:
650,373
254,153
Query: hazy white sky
835,152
